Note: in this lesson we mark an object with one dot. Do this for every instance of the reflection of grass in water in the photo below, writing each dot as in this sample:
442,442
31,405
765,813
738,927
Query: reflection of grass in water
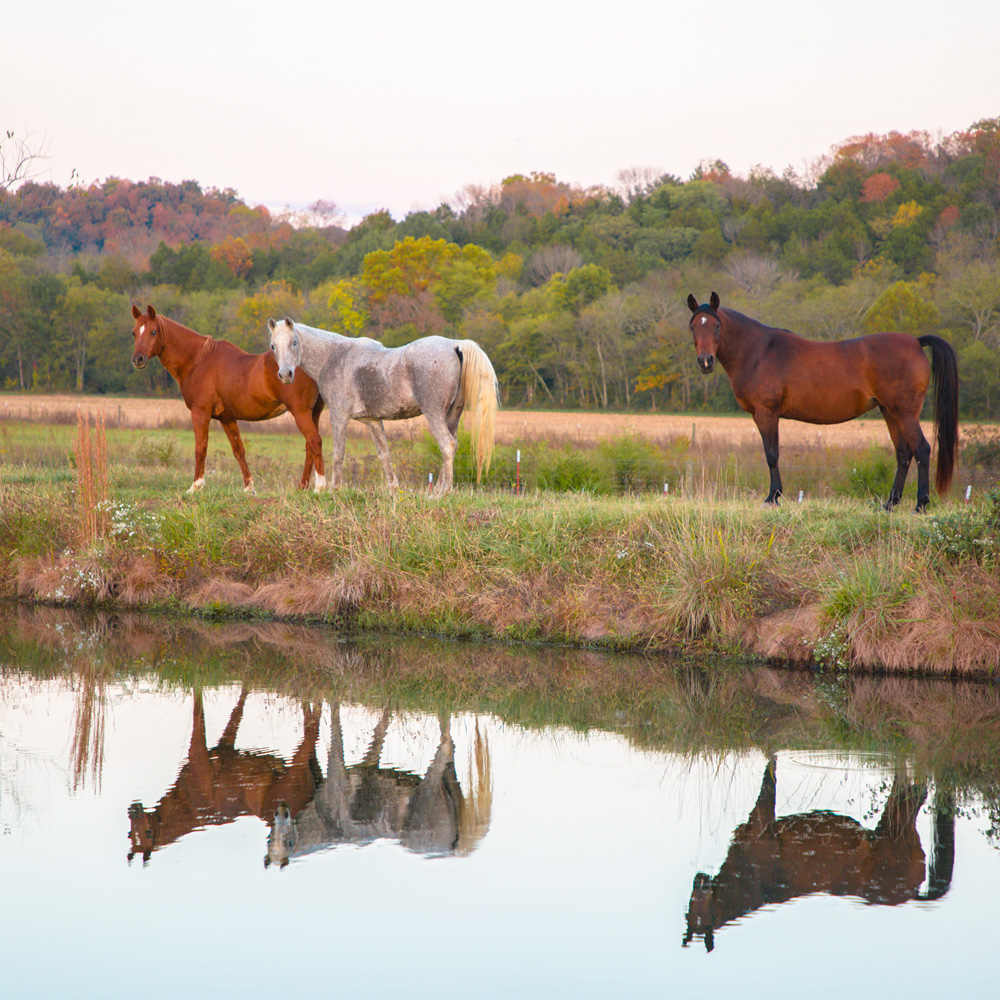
661,704
89,717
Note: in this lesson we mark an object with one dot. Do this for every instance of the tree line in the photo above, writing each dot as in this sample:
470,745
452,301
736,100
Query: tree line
576,294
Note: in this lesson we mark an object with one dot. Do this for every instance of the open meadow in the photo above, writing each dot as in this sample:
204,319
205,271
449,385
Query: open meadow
589,552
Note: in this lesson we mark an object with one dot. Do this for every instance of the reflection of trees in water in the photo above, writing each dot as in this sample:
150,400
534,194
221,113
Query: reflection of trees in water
698,709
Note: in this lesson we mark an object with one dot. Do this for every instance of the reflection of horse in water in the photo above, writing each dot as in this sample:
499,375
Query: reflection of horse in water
217,786
774,860
364,802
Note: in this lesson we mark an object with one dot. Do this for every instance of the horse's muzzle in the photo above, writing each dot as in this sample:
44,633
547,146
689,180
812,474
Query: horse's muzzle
706,362
286,376
139,361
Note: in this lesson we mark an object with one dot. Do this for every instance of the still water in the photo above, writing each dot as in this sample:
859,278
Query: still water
221,811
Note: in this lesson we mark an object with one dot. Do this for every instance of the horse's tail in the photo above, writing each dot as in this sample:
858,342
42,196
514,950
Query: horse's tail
944,367
480,399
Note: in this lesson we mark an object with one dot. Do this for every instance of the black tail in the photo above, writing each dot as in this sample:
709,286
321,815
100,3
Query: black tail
944,367
943,853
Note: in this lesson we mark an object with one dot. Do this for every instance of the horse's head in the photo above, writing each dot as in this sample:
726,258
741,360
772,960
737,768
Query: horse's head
148,336
281,839
706,328
286,346
701,914
143,827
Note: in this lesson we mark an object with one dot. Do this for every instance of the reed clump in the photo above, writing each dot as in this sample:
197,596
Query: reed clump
91,463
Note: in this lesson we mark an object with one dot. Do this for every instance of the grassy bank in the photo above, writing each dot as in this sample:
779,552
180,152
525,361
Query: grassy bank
836,582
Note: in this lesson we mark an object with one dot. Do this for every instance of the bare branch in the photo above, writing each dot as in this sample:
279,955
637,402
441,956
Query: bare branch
20,157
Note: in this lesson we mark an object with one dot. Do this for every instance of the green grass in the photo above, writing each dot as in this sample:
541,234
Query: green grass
838,581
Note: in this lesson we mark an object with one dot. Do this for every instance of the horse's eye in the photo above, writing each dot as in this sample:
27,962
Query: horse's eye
295,343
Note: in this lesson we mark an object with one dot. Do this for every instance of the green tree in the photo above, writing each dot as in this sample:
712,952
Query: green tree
902,306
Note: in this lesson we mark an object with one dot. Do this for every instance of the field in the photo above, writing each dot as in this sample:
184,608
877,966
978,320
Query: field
710,456
513,426
589,552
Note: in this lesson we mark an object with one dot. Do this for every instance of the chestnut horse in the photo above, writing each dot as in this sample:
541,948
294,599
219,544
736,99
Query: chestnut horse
772,860
775,373
219,381
217,786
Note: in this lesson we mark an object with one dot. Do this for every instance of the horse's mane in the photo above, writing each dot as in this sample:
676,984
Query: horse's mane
738,319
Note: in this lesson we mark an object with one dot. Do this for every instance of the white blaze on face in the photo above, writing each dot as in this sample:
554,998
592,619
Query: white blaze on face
142,329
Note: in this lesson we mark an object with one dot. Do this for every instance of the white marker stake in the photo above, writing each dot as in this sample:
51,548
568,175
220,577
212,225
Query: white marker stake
968,493
666,488
518,471
800,496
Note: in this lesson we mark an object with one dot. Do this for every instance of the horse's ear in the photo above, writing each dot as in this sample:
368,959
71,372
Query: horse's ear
271,324
289,321
135,311
151,312
692,303
714,301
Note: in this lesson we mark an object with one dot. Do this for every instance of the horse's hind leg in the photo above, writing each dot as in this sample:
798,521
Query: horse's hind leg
377,430
447,442
904,454
236,443
909,441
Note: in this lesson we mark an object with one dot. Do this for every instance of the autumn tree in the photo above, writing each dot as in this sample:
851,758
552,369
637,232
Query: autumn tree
233,254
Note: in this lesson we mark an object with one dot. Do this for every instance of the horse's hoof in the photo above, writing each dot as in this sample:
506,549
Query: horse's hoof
195,486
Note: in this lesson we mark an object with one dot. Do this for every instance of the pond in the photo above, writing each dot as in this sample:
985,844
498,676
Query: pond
235,810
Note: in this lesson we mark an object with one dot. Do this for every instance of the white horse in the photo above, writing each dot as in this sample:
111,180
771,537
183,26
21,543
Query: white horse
359,378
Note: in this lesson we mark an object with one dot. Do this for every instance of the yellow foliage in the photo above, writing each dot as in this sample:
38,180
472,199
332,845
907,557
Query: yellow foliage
344,314
905,214
274,300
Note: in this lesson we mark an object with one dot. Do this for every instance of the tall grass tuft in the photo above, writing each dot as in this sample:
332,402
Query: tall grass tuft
91,457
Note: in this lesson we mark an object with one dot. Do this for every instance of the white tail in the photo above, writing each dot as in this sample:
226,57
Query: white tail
481,399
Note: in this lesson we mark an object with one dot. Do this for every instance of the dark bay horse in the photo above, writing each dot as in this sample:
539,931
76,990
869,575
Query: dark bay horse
772,860
216,786
775,373
219,381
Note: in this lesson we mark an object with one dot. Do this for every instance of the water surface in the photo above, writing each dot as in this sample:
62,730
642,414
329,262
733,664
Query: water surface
478,820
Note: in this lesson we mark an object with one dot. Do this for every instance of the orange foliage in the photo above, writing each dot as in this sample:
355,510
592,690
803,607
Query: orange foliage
537,195
234,254
949,216
878,187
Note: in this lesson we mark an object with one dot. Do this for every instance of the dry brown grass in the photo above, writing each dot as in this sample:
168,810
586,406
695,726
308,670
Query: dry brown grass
513,427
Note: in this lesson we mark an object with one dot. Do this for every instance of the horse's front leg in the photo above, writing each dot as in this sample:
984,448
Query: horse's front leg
307,422
767,424
199,419
236,443
377,431
338,446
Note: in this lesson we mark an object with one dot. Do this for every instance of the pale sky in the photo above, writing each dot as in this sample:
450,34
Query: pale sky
401,105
